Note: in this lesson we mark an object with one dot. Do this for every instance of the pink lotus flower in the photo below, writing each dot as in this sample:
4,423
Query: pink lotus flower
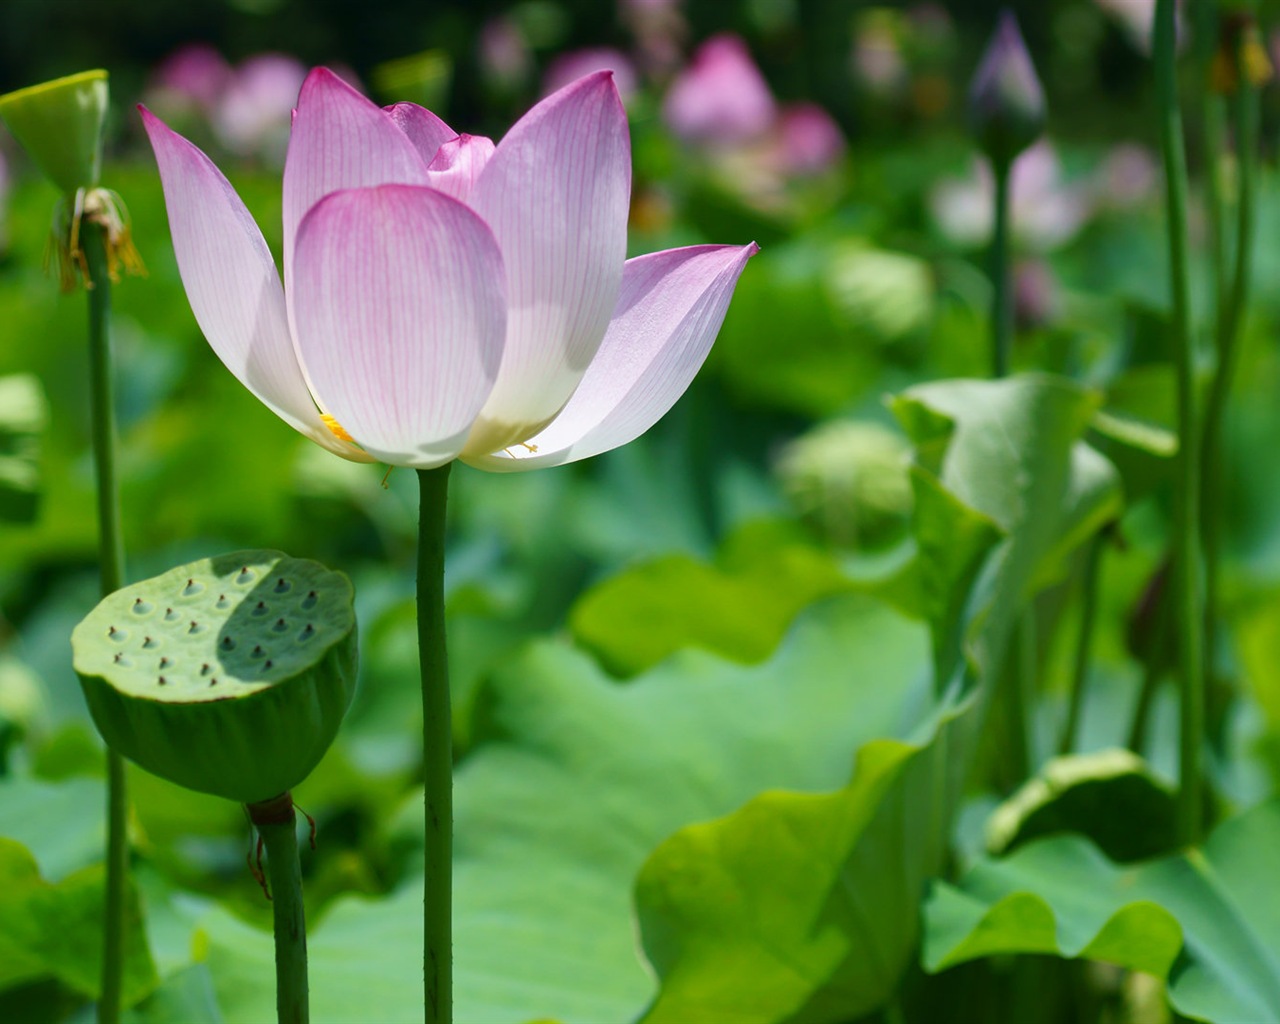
721,97
443,298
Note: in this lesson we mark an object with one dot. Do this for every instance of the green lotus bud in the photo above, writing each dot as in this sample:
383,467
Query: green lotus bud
60,124
1006,102
228,676
850,481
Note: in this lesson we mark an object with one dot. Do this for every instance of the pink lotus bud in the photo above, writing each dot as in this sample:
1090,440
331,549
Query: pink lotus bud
721,97
1006,102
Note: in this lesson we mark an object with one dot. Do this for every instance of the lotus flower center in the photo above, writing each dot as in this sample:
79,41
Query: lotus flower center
336,428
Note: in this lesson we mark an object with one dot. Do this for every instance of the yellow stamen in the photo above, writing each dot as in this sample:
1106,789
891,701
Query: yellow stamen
336,428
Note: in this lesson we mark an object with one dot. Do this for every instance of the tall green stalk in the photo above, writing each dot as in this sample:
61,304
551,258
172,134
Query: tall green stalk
437,747
111,573
1080,666
1188,614
1232,301
276,824
1001,284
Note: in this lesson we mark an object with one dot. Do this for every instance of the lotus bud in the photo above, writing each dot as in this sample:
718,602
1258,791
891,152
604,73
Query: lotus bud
228,676
1006,101
850,481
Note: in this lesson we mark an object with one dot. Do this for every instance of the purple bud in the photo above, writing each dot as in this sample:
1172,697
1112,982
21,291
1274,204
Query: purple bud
1006,101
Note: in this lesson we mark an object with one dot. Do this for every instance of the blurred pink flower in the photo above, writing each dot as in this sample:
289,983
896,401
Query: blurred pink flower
505,59
721,98
877,60
252,115
569,67
805,140
195,74
445,298
659,28
1127,176
1046,211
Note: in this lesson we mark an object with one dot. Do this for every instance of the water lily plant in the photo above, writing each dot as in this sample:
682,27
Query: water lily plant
445,298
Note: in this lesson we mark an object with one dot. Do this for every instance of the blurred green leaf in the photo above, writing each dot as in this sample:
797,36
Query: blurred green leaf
56,930
62,824
24,413
1109,796
739,607
1208,919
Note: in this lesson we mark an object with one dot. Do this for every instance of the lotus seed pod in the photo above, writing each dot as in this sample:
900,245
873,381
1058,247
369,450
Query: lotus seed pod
60,124
228,676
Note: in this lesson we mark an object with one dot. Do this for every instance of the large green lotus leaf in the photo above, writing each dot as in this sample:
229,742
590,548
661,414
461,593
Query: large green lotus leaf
62,824
55,930
1208,919
738,607
801,908
573,780
1010,450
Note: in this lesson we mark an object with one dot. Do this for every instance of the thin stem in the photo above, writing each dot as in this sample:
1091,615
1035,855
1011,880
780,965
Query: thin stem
1080,668
1001,286
1212,134
1232,303
1189,613
111,573
437,747
275,822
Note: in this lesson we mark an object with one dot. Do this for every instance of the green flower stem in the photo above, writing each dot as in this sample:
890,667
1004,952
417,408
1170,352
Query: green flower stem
1019,672
1001,285
1231,307
1188,607
111,572
275,821
1080,668
1212,134
437,747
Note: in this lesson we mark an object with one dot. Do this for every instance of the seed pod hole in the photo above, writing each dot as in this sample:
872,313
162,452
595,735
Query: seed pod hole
246,576
307,633
309,601
148,643
118,635
222,602
279,626
260,608
227,644
195,627
283,586
170,615
192,588
141,607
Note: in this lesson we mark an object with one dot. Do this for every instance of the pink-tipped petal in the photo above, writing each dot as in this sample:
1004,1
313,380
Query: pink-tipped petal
670,309
232,283
340,139
426,131
556,193
401,314
457,165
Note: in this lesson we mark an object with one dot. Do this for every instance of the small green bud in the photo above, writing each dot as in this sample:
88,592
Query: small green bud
60,124
1006,101
850,481
228,676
